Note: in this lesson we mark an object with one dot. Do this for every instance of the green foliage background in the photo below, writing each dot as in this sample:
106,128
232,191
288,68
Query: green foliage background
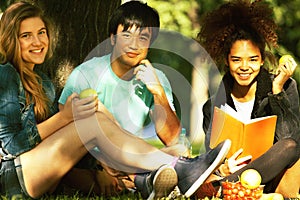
183,16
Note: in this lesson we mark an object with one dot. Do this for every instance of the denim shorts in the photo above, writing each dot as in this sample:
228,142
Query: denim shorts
10,184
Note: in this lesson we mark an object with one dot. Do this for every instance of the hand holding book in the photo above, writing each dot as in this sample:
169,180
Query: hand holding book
235,163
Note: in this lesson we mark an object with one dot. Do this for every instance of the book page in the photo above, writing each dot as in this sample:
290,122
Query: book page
230,111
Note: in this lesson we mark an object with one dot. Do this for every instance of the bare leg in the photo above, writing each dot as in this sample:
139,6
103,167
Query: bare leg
48,162
44,165
176,150
289,185
120,149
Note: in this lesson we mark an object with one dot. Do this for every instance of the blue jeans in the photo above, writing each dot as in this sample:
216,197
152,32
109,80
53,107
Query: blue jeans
10,184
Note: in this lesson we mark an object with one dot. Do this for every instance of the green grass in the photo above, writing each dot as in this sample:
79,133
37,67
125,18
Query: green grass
196,147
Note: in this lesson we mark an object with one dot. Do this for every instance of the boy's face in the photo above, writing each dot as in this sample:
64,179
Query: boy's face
130,46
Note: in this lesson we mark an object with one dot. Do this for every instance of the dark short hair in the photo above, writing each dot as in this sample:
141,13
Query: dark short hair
135,13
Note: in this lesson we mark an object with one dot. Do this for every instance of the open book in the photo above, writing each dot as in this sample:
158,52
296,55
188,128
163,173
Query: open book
255,136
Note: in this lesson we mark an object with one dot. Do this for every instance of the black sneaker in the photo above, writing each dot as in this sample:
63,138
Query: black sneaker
192,172
158,183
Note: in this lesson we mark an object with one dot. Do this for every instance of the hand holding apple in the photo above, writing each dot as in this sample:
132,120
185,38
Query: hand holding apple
288,61
87,93
286,68
285,58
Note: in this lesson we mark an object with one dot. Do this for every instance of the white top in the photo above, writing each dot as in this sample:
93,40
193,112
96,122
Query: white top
243,109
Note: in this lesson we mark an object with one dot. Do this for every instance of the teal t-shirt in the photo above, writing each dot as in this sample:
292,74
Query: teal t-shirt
129,101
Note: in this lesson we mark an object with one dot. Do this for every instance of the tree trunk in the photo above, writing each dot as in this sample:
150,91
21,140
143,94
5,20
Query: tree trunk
81,25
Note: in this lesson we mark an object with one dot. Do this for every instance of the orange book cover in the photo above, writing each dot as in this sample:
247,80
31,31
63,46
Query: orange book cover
255,136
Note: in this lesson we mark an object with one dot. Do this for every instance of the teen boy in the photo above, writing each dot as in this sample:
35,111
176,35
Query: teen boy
133,90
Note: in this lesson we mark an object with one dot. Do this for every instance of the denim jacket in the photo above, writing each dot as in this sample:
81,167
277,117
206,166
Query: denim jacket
18,130
285,105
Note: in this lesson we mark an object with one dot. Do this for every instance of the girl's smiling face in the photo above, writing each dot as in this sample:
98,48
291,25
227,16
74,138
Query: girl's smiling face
245,61
33,40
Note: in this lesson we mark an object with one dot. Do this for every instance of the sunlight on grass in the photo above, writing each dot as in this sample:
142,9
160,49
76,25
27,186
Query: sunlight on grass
195,146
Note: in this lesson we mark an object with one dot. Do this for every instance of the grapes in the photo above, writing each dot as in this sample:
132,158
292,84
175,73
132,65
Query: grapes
232,191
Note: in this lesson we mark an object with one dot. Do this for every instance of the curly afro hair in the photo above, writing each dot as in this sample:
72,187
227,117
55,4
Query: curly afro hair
237,20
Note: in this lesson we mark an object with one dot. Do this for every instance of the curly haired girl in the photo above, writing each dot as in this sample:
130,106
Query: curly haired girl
239,36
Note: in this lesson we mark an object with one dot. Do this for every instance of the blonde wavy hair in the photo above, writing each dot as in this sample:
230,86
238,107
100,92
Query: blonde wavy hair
238,20
10,51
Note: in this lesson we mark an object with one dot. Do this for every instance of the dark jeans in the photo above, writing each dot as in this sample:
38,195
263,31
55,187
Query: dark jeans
10,186
272,164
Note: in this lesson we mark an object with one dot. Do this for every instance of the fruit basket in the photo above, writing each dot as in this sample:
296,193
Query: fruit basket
235,190
248,187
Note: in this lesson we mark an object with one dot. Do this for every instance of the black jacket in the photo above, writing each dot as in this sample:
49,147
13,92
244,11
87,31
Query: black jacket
285,105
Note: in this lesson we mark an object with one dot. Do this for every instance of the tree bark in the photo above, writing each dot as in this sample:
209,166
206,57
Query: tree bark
81,25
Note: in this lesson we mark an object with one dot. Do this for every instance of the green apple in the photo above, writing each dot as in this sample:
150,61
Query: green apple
250,179
87,93
285,58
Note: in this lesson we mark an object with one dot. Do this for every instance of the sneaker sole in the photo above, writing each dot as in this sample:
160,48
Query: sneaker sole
219,159
164,182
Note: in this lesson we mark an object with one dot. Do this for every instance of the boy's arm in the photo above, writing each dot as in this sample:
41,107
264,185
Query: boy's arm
166,122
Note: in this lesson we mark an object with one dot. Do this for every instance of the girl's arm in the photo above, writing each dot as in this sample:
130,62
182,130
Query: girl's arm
73,109
286,106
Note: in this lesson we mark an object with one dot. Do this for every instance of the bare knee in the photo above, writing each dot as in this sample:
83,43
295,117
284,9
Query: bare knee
290,183
289,143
